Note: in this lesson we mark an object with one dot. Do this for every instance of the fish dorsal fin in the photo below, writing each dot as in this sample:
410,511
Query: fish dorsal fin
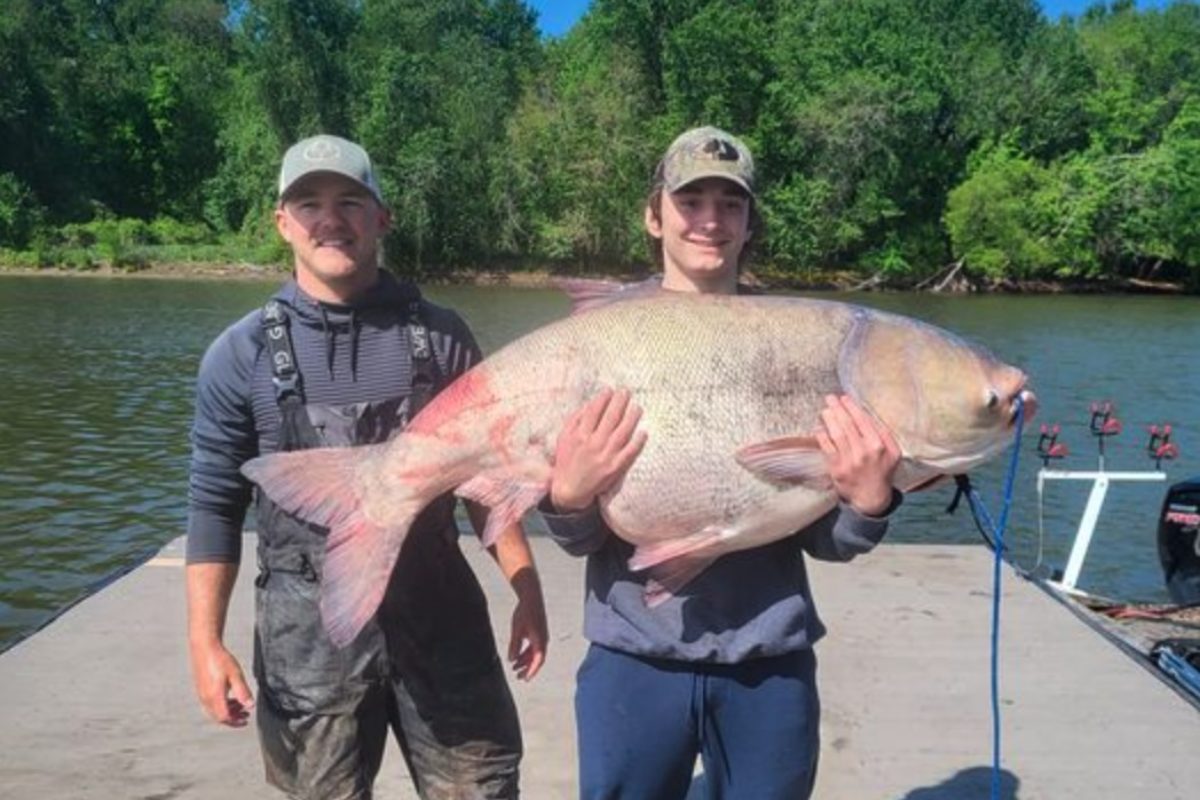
586,294
791,460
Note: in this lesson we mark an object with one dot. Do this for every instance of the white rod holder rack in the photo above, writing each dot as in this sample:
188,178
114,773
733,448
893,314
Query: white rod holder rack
1091,513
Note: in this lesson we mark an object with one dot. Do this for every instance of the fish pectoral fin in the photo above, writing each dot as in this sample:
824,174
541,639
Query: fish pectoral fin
791,461
507,500
669,578
650,555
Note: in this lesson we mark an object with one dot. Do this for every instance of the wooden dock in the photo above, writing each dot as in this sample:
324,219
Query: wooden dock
99,704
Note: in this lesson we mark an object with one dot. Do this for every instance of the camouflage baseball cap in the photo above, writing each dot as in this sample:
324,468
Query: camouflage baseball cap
706,153
325,153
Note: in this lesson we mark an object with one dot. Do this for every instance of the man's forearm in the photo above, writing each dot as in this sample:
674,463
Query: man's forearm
511,553
209,587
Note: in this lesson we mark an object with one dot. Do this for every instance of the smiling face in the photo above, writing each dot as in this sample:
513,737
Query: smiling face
703,227
333,225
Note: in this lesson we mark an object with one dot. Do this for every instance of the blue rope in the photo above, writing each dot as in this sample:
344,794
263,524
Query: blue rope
978,510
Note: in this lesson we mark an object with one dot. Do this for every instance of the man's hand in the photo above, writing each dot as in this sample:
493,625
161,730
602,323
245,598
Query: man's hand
861,454
220,685
529,635
597,444
218,678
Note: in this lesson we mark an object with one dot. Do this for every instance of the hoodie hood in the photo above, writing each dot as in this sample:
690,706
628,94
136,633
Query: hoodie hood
335,319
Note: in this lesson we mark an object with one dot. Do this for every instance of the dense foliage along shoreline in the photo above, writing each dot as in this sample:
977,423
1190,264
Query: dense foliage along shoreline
901,144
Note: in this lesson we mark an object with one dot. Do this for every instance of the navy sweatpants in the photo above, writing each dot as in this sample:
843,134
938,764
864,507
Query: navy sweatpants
641,723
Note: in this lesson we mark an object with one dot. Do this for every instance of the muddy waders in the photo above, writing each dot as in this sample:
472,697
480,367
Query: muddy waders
425,667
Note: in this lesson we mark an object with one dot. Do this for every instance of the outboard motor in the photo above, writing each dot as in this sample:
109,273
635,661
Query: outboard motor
1179,541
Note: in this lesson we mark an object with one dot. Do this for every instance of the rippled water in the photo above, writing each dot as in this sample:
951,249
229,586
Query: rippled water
97,401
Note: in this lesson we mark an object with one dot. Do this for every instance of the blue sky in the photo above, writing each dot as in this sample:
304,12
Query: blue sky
555,17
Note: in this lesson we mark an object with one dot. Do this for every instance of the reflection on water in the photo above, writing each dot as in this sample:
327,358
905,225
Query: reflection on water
99,373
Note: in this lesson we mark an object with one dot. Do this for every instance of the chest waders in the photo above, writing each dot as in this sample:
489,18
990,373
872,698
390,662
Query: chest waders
424,666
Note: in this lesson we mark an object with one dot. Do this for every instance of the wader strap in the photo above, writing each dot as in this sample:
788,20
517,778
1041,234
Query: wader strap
283,357
426,375
285,564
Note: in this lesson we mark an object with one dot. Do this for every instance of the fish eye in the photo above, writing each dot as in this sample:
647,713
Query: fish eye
993,400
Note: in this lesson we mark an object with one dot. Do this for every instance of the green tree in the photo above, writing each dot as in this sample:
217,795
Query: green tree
577,158
435,85
1147,65
994,221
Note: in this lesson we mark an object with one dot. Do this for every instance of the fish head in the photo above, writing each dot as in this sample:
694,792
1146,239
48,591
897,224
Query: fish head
950,403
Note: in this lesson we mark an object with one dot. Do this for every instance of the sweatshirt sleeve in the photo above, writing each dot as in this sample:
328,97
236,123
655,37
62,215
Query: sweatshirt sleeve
223,438
579,534
843,533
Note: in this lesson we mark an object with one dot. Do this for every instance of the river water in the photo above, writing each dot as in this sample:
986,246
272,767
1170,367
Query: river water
98,377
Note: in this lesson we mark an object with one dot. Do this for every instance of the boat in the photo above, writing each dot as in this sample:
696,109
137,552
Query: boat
1162,637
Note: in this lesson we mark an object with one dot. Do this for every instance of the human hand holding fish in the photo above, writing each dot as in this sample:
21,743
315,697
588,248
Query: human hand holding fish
861,455
597,445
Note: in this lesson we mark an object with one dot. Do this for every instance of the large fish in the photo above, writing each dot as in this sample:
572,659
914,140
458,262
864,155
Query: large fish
730,387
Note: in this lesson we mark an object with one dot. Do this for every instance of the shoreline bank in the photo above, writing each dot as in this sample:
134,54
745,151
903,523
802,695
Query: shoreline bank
542,278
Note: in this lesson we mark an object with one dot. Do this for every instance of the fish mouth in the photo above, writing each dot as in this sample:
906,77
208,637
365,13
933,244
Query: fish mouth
1024,406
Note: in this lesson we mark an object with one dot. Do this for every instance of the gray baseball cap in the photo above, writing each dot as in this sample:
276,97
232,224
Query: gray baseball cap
706,153
325,153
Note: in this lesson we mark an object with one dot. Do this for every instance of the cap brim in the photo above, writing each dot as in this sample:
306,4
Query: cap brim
291,187
734,179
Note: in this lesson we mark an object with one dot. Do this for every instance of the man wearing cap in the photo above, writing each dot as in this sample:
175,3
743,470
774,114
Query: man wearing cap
727,673
345,354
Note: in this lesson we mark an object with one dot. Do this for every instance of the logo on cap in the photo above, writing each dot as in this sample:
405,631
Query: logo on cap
719,149
322,150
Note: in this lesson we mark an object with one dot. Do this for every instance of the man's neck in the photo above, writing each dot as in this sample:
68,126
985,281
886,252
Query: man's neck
718,283
343,292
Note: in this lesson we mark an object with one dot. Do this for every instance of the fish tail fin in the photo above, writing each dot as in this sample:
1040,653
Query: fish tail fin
330,487
359,559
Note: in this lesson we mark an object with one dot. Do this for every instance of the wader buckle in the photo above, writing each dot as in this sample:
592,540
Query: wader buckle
307,570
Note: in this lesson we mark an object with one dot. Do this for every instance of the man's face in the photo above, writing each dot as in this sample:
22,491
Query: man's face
703,227
333,226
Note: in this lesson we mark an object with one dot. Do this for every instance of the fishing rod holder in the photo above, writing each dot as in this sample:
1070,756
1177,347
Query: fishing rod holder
1103,425
1160,447
1049,448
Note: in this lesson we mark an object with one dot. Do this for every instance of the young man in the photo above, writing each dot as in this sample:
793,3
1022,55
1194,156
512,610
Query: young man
727,673
345,354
